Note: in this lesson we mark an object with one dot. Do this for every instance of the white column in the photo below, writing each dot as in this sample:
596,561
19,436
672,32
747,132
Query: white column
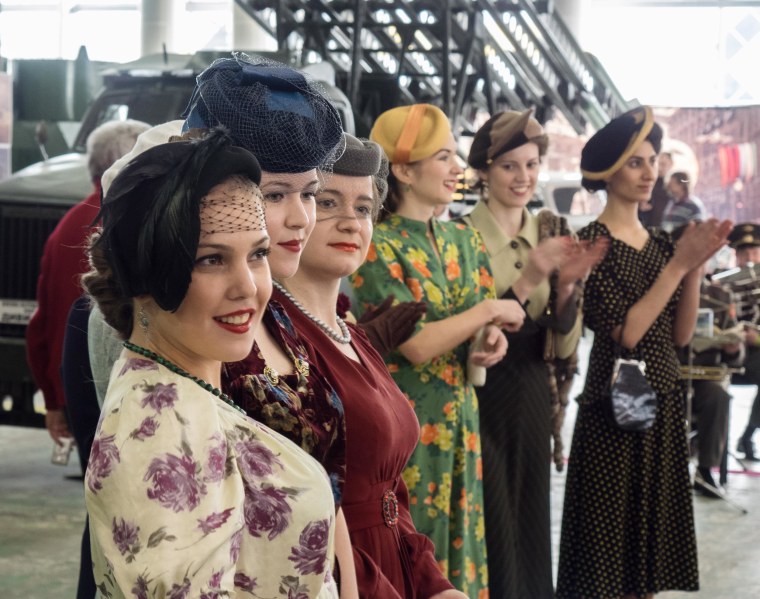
247,34
157,22
572,12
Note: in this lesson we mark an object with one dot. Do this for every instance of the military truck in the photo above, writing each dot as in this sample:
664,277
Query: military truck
154,89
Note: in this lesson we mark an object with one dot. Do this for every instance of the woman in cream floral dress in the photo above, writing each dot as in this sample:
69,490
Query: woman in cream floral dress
187,496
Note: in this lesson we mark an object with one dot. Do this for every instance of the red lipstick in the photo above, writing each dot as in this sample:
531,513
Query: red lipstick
240,321
294,245
345,247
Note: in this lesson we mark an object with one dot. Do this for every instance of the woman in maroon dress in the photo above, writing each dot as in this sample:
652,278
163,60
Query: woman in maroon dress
392,559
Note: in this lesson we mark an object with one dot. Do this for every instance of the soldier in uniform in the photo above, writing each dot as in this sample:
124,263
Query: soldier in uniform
710,397
745,240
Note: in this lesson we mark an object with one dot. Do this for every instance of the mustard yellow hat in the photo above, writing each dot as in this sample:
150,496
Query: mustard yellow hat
411,133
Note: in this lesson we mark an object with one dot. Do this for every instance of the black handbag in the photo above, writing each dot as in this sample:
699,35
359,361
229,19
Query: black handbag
633,401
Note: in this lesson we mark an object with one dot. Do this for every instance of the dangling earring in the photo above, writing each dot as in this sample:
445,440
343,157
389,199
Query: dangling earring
143,318
484,191
407,188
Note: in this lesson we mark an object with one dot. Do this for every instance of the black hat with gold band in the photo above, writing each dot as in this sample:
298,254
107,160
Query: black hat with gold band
744,235
609,148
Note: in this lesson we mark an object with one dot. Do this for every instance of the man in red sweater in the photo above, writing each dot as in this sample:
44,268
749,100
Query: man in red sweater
63,262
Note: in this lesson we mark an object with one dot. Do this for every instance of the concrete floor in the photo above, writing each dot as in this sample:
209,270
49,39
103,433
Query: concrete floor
41,518
728,540
42,514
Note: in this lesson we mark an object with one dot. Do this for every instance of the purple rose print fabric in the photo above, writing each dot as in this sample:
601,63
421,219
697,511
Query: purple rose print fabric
189,498
311,553
174,482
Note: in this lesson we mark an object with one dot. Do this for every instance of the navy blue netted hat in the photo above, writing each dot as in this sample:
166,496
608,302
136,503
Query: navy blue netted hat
608,149
273,110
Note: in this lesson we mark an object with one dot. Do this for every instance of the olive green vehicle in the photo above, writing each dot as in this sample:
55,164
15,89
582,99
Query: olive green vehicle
154,89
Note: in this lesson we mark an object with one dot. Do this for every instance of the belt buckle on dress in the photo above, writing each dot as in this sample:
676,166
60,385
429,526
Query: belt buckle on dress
390,508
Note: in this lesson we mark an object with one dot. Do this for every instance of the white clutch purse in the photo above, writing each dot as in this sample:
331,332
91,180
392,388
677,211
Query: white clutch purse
476,374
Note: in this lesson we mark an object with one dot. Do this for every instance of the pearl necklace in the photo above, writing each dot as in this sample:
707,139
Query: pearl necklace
177,370
344,337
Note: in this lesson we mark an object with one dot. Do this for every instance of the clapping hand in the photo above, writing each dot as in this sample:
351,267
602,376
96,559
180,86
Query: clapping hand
581,259
549,255
699,241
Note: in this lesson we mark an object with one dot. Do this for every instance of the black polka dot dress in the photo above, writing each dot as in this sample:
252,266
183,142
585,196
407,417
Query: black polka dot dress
628,523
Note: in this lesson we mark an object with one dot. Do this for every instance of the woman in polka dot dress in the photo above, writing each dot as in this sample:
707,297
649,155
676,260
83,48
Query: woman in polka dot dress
628,524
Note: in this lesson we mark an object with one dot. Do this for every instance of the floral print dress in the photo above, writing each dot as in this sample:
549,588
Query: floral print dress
187,497
444,475
302,406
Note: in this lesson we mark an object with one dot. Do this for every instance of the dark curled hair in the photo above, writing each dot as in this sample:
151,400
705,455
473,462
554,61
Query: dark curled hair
100,285
379,201
151,222
151,213
392,200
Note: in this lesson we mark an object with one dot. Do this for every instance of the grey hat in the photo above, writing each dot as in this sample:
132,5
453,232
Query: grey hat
361,158
364,158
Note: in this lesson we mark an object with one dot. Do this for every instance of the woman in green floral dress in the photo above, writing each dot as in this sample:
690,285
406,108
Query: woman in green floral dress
416,257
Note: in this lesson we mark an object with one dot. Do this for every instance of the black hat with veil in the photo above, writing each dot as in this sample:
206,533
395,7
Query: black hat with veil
275,111
157,209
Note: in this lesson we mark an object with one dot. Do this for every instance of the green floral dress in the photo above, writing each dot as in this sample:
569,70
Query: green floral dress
444,475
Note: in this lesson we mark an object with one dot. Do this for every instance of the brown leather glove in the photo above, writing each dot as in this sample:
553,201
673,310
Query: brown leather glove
388,326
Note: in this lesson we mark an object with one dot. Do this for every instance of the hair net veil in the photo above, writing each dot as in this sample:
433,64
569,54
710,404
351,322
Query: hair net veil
275,111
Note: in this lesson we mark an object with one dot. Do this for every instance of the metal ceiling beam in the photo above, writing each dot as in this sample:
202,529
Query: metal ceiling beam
356,54
447,54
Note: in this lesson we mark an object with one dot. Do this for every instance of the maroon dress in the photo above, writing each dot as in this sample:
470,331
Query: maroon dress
392,559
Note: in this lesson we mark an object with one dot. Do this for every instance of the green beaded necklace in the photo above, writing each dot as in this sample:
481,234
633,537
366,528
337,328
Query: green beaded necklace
176,369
